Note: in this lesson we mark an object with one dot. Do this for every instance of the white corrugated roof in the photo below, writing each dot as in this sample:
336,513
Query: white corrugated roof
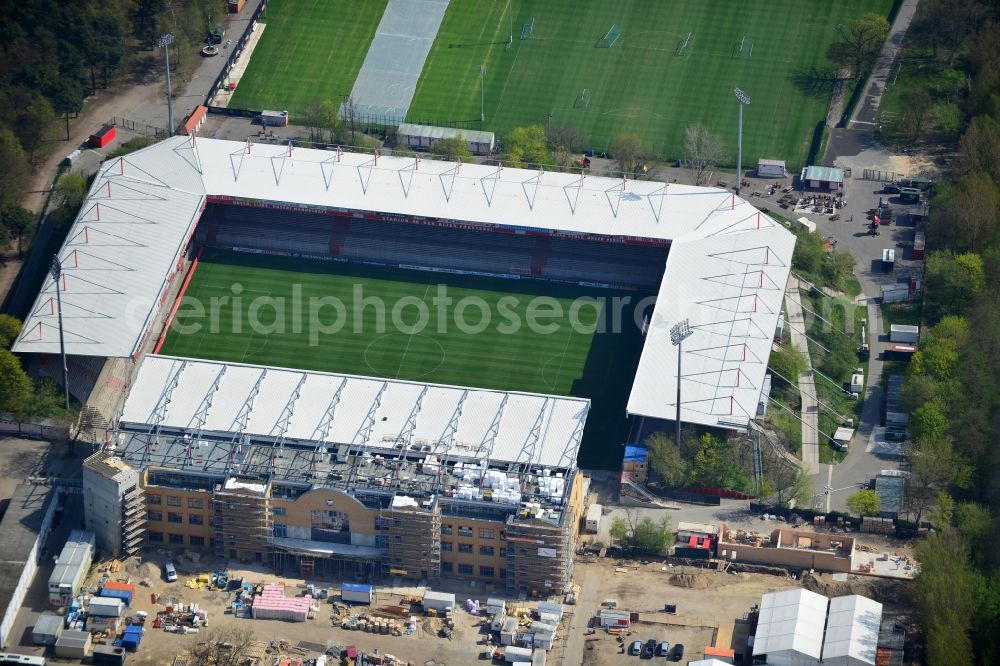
222,398
791,621
119,254
852,629
725,272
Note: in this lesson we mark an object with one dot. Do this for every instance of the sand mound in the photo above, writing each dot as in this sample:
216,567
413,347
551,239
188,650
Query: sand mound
692,581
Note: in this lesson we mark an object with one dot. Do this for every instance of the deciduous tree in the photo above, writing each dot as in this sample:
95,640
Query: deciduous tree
702,150
455,148
666,460
15,386
526,146
864,503
628,150
859,43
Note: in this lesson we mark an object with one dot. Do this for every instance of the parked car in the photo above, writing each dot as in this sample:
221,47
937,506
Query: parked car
170,572
678,652
895,434
889,188
663,650
635,648
649,649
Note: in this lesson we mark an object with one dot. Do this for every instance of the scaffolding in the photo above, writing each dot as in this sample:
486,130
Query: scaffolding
133,520
414,541
539,555
242,522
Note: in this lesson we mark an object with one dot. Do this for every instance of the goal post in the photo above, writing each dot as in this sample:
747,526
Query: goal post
683,44
744,49
610,37
583,100
527,28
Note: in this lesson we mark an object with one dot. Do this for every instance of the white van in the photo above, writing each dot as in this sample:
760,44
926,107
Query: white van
170,572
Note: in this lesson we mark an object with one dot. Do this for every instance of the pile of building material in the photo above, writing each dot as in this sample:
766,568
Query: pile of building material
272,604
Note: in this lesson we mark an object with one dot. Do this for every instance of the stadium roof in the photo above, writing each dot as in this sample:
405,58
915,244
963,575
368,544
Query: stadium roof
209,398
791,621
852,629
725,272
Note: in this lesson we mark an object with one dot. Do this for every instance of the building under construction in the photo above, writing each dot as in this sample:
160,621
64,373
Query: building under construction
326,474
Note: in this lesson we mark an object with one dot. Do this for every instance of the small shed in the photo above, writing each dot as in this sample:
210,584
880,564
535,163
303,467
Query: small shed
888,259
47,629
361,594
822,177
274,118
857,382
612,617
74,644
440,601
424,137
770,168
919,243
550,607
508,631
494,606
843,437
809,225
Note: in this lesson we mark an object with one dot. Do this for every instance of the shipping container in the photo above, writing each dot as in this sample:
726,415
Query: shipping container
919,243
103,136
439,601
109,654
112,593
274,118
74,644
105,607
361,594
904,333
513,654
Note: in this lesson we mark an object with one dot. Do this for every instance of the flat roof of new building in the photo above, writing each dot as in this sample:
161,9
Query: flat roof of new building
852,629
270,404
823,173
725,272
791,621
20,529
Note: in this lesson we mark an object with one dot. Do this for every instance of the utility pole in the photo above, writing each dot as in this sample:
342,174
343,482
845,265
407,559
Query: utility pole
55,268
678,333
744,100
482,93
164,43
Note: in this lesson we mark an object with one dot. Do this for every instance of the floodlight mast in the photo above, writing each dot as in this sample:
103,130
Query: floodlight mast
678,333
164,43
482,93
744,101
55,269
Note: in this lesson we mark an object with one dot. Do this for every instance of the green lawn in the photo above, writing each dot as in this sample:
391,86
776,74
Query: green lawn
565,361
310,50
639,85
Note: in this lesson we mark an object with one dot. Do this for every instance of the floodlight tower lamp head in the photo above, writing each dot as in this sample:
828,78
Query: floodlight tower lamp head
55,267
166,40
742,96
680,331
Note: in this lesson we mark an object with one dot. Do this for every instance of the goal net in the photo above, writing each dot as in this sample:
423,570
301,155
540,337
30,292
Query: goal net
745,48
683,44
527,28
583,101
610,37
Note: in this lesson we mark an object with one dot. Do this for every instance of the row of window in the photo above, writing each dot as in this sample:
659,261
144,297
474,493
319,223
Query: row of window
469,570
176,539
193,502
467,548
157,517
484,532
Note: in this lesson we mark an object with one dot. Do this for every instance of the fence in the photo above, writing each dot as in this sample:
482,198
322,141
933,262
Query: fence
32,430
139,128
883,176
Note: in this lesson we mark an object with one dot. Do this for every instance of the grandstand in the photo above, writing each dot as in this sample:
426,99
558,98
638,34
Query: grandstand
710,257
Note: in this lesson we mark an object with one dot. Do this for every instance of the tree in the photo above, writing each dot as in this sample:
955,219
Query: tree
952,282
927,423
34,124
565,135
17,221
526,146
15,386
66,95
979,147
713,465
628,150
859,43
934,465
10,328
702,150
15,174
837,268
223,647
864,503
942,592
455,148
944,23
808,253
666,459
619,531
652,537
918,103
966,214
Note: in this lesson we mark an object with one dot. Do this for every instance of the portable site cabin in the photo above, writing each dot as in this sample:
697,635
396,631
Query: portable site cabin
274,118
904,333
360,594
512,654
888,259
47,629
425,137
442,602
919,244
74,644
770,168
594,518
843,437
71,567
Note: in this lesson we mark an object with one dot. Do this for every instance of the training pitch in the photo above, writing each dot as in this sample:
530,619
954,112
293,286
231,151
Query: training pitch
640,85
557,358
311,50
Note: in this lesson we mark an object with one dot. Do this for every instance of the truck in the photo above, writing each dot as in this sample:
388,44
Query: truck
904,333
594,512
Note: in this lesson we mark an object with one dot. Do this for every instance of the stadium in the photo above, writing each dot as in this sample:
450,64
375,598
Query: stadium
307,443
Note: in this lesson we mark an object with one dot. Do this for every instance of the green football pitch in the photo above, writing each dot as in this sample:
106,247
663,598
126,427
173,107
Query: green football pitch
310,50
560,354
640,84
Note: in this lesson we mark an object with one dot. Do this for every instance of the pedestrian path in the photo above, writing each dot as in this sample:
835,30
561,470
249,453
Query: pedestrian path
807,384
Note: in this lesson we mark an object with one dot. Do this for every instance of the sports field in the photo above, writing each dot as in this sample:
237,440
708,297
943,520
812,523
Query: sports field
639,85
310,50
566,360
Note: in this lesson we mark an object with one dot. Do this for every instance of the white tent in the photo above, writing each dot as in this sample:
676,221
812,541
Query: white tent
852,631
790,627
